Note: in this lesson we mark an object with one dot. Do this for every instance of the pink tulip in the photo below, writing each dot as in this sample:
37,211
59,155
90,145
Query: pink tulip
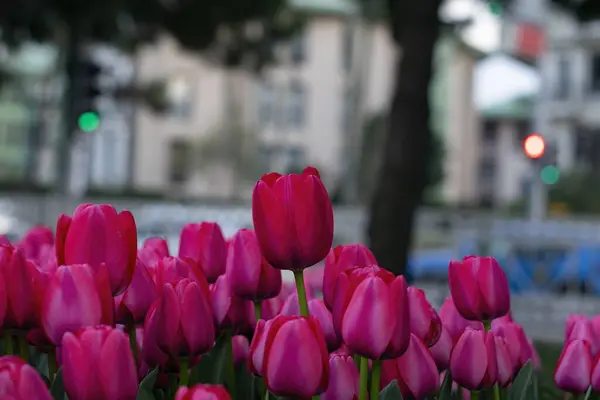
519,346
169,269
442,350
479,288
454,322
371,312
415,371
473,362
317,309
184,314
257,347
35,240
293,219
204,243
76,297
152,355
340,259
270,308
504,363
425,322
95,235
20,291
20,381
229,311
293,347
159,245
573,371
98,364
138,297
241,347
4,240
343,378
250,274
595,380
582,328
202,392
47,259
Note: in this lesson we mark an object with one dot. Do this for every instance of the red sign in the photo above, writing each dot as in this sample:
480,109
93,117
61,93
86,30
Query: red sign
529,40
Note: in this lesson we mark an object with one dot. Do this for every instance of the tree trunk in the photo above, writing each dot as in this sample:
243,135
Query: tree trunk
403,174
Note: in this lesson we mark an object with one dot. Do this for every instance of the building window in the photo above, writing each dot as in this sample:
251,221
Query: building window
595,73
181,97
489,133
266,104
296,105
562,83
298,48
347,47
179,161
295,160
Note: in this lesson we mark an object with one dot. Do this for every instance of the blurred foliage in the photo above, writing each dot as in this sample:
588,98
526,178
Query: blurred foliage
238,31
374,133
579,192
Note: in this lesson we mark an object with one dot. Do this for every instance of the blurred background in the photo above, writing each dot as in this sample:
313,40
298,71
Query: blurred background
440,128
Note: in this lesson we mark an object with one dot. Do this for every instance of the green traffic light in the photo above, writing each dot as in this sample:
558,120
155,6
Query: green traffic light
550,174
88,121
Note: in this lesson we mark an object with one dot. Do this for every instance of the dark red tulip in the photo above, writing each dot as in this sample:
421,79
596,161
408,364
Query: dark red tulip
425,322
95,235
204,243
293,219
21,277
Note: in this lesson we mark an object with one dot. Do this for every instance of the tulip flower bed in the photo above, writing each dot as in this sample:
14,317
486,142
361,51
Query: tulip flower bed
87,315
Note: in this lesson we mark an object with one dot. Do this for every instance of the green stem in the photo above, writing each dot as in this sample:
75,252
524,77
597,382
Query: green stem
299,278
257,310
8,343
133,342
184,373
52,364
474,395
173,385
23,346
496,392
487,325
230,366
357,359
364,377
375,379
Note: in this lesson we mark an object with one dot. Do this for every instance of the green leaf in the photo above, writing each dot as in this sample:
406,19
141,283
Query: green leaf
145,390
212,366
588,394
391,392
522,387
58,388
446,387
247,385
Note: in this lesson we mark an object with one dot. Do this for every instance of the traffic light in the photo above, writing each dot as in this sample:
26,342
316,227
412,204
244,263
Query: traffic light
87,91
544,156
534,146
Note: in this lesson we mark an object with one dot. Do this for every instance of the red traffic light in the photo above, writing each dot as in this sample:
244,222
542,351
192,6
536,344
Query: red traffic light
534,146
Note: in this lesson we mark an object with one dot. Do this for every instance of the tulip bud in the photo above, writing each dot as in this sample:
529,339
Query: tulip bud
582,328
257,346
473,362
442,350
415,371
344,379
151,353
21,276
138,297
425,322
479,288
95,235
72,301
340,259
159,245
36,239
270,308
98,363
241,347
202,392
317,309
301,339
372,300
204,243
504,363
250,274
454,322
229,311
573,371
20,381
293,219
169,269
184,313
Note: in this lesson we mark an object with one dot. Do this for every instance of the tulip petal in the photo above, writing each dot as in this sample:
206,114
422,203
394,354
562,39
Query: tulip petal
493,288
462,280
76,370
169,314
574,368
198,333
401,331
418,370
62,228
117,367
469,360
